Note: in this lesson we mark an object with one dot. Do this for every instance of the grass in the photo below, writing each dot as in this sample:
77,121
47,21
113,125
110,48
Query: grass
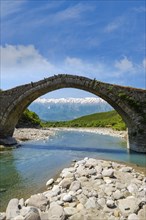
109,119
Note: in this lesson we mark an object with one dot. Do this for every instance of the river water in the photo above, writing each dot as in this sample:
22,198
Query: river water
25,170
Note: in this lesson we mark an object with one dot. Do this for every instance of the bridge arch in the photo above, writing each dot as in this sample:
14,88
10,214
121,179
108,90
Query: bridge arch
129,102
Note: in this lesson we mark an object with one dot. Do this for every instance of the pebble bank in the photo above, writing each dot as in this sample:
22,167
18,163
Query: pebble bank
88,190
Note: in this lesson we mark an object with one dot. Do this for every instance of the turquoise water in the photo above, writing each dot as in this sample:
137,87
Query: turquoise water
25,170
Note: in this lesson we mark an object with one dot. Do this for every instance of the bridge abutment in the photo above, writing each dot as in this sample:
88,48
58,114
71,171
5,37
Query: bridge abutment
136,140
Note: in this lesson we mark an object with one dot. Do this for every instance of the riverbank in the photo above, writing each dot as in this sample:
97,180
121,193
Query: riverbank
24,134
89,189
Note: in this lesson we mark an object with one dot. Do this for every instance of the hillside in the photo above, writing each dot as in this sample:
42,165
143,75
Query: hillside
105,119
29,119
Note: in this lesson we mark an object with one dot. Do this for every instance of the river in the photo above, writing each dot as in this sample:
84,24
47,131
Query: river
25,170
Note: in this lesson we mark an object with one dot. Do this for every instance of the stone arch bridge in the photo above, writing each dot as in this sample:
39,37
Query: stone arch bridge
129,102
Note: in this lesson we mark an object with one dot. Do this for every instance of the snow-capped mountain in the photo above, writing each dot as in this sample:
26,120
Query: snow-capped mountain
63,109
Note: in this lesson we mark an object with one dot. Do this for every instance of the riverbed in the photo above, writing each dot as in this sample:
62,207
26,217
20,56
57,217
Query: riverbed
25,170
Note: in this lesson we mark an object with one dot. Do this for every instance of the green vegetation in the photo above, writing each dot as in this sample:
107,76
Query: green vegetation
29,119
109,119
130,101
105,119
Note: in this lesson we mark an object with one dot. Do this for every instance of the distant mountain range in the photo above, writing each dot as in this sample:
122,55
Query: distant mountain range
64,109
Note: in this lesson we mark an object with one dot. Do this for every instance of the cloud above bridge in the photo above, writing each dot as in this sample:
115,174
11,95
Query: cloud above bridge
22,64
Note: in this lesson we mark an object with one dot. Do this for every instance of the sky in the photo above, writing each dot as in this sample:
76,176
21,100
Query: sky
102,39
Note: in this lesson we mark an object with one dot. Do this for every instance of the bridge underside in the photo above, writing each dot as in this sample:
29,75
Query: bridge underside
130,103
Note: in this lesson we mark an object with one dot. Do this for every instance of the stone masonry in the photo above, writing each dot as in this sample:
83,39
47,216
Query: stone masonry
129,102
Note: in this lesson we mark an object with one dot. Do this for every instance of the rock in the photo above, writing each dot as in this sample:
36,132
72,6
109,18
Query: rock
67,198
110,204
8,141
56,190
108,172
21,202
68,175
12,209
118,195
142,213
133,217
101,202
40,201
44,215
2,215
98,169
65,183
116,213
91,171
120,185
80,162
76,185
26,202
18,217
70,211
49,182
91,162
99,176
91,203
132,188
128,206
77,216
126,169
80,206
33,214
56,212
25,210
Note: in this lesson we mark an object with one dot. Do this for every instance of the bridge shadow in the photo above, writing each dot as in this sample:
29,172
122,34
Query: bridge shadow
65,148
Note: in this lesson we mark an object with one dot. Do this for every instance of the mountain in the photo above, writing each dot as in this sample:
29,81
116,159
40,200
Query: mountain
68,108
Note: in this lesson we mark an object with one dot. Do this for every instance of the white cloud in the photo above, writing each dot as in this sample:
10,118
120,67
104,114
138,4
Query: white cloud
9,7
114,25
72,12
124,65
22,64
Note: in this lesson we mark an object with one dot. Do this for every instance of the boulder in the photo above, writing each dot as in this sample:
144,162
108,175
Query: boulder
56,212
133,217
33,214
91,203
110,204
77,216
70,211
56,190
117,195
67,198
49,182
142,213
2,215
108,172
76,185
65,183
40,201
128,206
126,169
18,217
12,209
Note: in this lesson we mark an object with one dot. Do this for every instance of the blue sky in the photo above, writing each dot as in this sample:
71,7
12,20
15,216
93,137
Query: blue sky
98,39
